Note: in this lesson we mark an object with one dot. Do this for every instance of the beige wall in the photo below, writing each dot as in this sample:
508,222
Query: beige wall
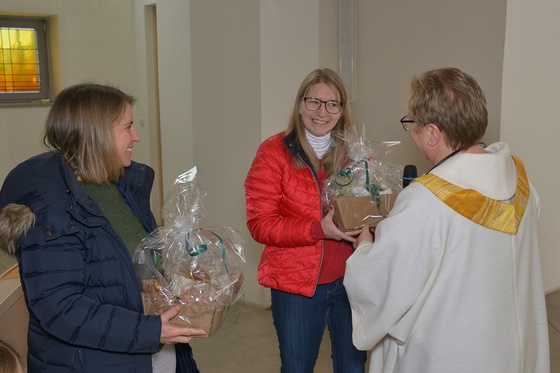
163,57
392,43
228,72
95,42
531,95
398,39
277,87
226,112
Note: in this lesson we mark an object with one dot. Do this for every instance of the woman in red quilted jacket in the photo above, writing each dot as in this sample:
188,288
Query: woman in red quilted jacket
305,253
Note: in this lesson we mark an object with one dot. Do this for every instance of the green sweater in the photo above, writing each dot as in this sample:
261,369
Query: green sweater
118,212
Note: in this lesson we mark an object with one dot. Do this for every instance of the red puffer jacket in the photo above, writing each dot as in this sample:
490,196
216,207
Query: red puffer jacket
282,203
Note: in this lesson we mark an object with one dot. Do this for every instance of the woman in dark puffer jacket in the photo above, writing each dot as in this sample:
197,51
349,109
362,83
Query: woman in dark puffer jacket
72,217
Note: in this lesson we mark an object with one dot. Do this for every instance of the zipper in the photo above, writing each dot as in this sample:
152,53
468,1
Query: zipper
320,209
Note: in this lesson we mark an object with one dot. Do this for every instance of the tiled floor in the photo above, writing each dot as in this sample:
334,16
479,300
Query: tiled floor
553,309
247,343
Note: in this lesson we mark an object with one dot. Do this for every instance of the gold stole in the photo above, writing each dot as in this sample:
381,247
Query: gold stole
501,216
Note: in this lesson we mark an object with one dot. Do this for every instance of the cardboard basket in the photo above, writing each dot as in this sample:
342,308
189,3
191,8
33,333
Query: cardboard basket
157,300
209,321
353,212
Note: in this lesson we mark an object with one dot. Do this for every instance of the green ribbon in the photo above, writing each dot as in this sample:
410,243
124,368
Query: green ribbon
200,249
346,175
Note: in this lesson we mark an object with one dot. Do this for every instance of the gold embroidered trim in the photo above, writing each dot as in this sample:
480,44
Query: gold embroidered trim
497,215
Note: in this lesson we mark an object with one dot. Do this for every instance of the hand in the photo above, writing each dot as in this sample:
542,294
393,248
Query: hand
332,232
365,235
171,333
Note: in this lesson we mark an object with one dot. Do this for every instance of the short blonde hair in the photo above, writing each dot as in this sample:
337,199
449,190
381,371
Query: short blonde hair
80,126
453,101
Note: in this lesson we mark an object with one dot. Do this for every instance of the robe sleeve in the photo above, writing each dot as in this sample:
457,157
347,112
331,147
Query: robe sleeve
386,279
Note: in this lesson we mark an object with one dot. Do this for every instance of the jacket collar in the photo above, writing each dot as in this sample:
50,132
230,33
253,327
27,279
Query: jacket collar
74,187
292,143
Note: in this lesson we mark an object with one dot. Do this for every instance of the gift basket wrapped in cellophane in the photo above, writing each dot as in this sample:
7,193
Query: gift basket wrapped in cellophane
182,264
365,190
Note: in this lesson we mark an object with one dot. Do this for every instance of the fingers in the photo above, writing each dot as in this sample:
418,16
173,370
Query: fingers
350,235
354,232
186,335
348,238
171,333
365,235
181,339
169,314
195,332
334,233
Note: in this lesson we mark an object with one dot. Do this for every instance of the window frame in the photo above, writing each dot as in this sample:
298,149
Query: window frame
40,26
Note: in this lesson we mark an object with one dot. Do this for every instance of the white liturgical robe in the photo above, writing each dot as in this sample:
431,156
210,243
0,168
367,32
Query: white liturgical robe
440,292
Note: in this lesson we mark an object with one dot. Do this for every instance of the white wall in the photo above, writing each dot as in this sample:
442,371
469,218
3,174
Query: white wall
531,95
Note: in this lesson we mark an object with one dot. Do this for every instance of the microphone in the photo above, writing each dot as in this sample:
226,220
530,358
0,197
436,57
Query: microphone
410,173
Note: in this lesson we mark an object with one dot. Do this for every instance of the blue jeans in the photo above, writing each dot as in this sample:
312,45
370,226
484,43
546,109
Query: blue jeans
300,324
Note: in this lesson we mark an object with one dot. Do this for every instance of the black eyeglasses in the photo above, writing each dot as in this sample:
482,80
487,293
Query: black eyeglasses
406,123
314,104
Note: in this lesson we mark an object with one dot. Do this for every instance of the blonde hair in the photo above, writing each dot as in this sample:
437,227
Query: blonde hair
336,156
80,126
10,360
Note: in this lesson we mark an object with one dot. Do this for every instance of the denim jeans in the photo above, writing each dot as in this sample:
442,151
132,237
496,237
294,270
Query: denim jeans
300,324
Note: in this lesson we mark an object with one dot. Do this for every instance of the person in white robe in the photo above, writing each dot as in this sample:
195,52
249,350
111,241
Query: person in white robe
453,282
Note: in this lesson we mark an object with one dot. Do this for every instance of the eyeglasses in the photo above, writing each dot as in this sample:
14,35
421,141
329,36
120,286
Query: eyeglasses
406,123
314,104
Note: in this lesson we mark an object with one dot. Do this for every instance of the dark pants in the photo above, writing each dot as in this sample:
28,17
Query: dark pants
185,360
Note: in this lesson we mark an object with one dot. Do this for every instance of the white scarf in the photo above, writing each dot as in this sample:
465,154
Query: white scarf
319,144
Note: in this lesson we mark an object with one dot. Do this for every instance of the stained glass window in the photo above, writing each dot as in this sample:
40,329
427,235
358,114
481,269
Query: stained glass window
23,60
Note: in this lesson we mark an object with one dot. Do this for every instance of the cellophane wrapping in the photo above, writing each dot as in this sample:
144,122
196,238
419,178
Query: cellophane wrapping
182,264
365,190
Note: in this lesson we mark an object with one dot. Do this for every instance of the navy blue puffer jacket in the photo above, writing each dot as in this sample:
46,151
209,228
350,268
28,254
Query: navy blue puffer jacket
79,283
